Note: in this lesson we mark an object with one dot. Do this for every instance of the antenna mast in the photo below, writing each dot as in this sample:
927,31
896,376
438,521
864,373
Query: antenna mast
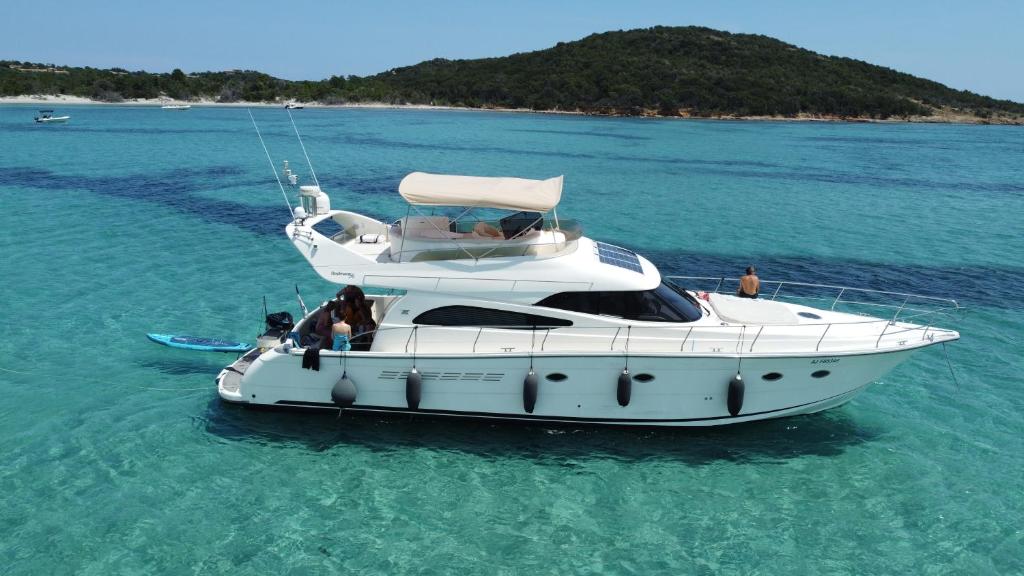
310,164
272,167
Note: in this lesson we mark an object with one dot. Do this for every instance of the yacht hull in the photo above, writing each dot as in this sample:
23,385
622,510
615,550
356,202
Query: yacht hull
666,390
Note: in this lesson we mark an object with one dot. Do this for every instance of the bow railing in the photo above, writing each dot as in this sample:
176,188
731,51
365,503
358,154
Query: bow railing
832,296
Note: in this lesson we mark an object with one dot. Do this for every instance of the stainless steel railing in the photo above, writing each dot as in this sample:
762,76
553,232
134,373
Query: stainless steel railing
907,301
704,340
713,339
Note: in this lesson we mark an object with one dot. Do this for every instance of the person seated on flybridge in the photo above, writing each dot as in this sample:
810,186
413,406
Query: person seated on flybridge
750,284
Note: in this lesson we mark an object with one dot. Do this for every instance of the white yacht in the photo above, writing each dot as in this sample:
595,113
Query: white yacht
176,107
524,318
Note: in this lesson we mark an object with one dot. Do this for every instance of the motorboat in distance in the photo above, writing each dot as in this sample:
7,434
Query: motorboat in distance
487,305
294,106
47,117
176,106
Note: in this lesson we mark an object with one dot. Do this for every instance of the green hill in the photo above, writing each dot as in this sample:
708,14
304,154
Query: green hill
698,70
688,71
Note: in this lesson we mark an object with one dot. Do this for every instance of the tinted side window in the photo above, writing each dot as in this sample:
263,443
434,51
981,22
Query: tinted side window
663,304
684,304
476,316
583,302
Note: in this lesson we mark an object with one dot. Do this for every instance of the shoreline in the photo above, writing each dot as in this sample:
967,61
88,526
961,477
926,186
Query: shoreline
942,117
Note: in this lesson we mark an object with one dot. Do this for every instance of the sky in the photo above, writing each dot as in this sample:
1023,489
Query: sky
975,45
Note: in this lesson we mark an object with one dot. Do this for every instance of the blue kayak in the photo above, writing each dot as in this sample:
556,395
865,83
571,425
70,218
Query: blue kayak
196,343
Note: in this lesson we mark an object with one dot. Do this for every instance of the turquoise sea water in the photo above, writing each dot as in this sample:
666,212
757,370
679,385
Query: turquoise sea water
118,458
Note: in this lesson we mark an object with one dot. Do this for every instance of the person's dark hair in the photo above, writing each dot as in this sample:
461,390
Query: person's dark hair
324,320
354,306
751,270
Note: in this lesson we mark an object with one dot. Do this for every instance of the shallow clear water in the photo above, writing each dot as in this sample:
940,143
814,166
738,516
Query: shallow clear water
117,456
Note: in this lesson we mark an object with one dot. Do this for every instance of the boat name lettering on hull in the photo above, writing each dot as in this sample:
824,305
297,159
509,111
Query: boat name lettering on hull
824,360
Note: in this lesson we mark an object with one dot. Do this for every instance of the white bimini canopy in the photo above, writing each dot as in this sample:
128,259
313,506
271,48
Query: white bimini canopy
425,189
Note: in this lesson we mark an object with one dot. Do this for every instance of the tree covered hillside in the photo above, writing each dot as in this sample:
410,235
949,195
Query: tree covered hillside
668,71
698,70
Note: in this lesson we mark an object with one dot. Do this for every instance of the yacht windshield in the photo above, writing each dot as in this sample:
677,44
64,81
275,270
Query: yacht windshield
665,303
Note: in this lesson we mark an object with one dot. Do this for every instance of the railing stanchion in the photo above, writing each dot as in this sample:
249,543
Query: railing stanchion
884,328
896,315
614,338
720,281
409,339
829,325
838,298
683,345
777,288
477,339
758,335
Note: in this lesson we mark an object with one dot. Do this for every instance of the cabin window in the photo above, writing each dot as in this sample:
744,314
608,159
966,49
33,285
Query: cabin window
665,303
476,316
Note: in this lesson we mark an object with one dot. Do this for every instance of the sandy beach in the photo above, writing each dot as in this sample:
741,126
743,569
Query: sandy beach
52,99
940,116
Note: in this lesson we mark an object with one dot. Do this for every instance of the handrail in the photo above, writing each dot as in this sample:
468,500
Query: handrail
651,333
738,331
300,233
842,289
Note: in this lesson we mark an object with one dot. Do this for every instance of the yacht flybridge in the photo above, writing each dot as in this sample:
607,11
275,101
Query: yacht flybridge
487,305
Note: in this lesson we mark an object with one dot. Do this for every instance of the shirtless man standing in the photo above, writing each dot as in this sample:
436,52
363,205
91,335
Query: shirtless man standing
750,285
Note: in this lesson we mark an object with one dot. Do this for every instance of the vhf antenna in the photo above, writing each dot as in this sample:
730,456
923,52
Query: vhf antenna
310,164
272,167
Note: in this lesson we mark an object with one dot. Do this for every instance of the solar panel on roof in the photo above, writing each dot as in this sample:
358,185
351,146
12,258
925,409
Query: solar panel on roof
616,256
